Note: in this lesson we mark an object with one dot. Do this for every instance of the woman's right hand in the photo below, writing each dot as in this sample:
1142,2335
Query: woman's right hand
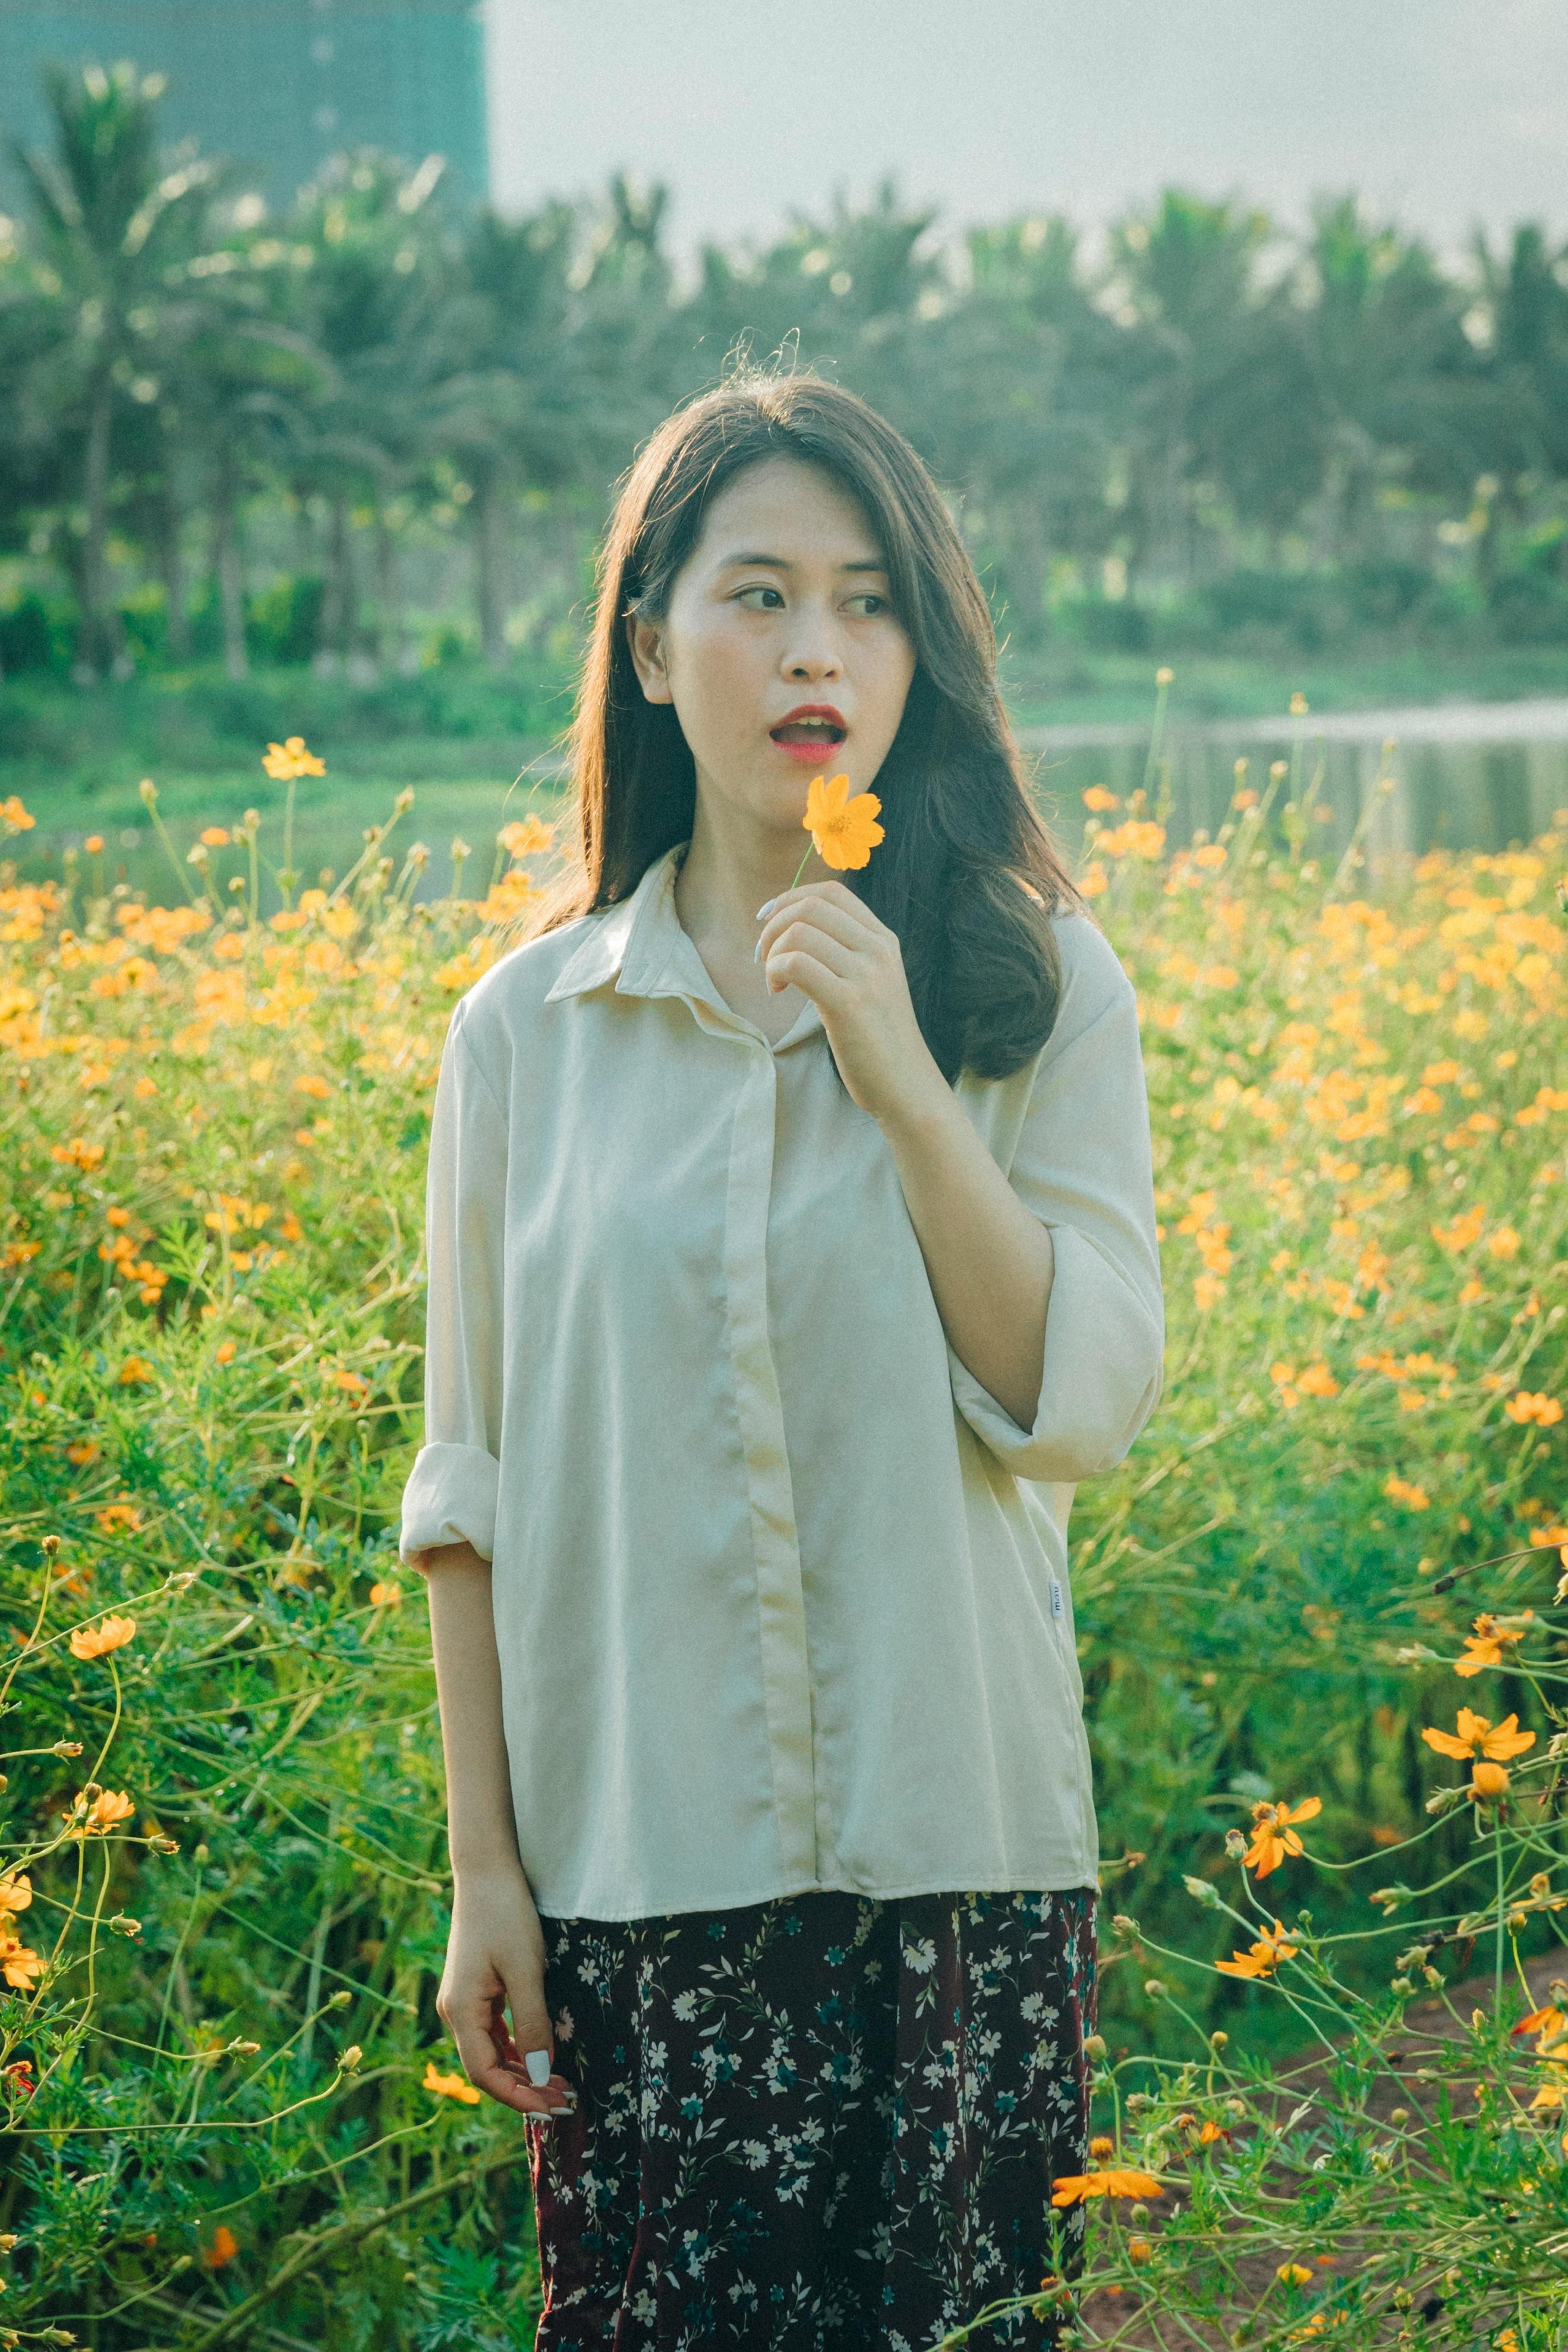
495,1965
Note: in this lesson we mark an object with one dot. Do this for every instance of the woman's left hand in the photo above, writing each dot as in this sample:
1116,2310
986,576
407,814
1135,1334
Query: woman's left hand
823,939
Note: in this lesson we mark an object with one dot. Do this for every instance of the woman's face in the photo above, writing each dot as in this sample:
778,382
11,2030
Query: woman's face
780,650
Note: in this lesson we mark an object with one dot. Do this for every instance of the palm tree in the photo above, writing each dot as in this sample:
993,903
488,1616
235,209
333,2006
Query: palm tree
517,408
111,218
1525,301
1185,283
384,307
241,382
32,476
1024,408
1394,376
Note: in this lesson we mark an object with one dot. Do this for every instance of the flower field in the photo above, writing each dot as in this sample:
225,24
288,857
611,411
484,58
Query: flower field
1322,1643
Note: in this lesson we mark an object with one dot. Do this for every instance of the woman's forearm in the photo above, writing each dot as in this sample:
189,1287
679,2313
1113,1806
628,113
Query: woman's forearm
992,1263
495,1954
481,1834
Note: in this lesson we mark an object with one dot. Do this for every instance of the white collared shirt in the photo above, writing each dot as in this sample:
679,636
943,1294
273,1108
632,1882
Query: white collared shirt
781,1592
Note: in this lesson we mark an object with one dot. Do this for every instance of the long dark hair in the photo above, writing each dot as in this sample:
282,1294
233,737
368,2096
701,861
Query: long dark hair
967,874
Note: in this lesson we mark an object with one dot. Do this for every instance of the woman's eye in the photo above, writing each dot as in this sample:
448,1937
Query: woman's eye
878,604
761,589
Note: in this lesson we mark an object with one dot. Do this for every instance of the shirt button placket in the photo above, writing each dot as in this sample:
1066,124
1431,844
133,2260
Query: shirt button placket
786,1683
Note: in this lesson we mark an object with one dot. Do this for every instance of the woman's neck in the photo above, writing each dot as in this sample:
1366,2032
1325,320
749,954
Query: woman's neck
721,923
719,884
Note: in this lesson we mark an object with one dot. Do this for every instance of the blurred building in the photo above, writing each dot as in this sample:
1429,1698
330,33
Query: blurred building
279,85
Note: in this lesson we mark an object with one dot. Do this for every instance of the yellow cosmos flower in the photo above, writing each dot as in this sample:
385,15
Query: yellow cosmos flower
1272,1836
1463,1232
77,1154
290,758
1484,1647
1076,2187
528,833
15,1894
1261,1958
1413,1498
844,830
1136,837
1475,1736
108,1808
97,1641
449,2086
18,1965
1534,1405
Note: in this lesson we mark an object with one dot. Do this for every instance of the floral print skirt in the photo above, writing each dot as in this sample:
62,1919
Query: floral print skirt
823,2122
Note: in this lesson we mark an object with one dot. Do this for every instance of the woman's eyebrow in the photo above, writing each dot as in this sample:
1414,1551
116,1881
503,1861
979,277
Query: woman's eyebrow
782,563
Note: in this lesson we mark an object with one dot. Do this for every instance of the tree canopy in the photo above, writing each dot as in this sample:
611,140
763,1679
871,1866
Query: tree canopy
203,405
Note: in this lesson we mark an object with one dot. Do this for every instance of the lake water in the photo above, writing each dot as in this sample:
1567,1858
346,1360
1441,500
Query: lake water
1466,776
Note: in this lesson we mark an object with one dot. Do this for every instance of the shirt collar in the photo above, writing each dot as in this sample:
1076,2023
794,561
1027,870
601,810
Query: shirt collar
643,945
631,942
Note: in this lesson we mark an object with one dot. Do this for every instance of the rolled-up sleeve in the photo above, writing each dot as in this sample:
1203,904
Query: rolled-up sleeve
452,1490
1083,1165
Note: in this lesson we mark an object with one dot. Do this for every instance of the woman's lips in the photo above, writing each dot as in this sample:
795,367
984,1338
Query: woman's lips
808,743
815,752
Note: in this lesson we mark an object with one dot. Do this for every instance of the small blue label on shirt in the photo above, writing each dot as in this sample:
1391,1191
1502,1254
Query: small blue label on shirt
1055,1597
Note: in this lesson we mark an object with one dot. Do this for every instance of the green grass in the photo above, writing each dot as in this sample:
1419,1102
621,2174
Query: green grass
82,754
1110,689
479,750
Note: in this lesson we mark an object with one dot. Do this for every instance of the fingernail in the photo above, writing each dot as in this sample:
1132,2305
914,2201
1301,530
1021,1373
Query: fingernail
538,2064
757,952
767,909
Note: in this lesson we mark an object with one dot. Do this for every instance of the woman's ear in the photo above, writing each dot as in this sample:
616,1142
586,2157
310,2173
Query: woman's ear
645,639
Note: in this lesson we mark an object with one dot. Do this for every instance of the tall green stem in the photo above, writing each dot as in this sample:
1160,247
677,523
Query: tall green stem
1157,733
1497,1847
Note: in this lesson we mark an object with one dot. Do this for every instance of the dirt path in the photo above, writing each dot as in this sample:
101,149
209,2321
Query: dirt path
1113,2317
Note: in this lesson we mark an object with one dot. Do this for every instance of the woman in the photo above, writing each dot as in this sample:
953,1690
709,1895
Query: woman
780,1293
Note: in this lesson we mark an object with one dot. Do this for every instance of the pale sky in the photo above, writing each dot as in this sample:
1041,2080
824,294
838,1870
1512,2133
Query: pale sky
1442,112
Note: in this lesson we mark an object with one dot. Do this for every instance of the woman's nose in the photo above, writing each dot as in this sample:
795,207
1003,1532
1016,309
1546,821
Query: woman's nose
812,659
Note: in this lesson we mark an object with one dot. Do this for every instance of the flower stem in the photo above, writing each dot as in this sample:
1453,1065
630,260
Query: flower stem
1157,732
1497,1844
